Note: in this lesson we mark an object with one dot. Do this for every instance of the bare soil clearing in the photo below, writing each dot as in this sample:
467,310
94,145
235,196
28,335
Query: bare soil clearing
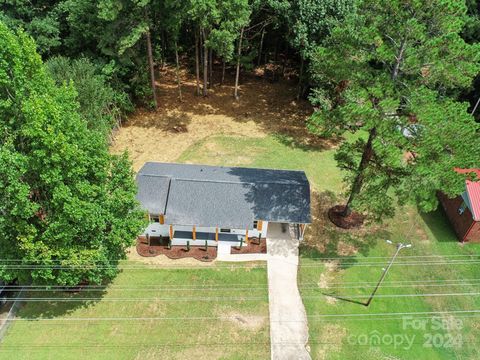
263,108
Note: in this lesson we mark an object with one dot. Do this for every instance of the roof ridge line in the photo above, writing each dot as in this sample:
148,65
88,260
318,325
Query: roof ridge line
292,182
235,182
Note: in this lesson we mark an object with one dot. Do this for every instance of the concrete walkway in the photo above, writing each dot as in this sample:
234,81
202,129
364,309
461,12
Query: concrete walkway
288,320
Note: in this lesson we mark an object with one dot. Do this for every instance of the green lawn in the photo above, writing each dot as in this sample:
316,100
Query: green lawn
341,337
274,152
232,301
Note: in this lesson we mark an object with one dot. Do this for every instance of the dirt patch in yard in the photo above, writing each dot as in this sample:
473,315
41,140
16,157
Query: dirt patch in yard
352,221
263,108
324,240
249,322
331,335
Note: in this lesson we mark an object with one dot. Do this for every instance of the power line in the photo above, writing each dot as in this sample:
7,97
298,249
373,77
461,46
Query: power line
248,285
324,317
249,288
225,298
163,267
304,257
399,295
350,257
197,344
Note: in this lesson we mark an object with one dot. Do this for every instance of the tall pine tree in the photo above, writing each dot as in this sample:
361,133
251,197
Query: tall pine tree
387,73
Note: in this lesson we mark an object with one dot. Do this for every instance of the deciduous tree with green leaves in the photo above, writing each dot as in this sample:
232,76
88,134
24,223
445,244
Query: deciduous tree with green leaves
67,207
387,72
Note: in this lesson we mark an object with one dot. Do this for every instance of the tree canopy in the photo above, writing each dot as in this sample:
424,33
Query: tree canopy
67,205
387,73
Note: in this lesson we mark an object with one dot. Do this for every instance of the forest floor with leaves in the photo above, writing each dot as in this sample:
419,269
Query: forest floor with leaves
264,108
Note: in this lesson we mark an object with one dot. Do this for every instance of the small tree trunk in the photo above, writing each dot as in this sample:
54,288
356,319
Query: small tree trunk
265,66
285,57
164,49
205,64
210,72
197,63
223,71
358,182
237,75
261,47
202,60
300,78
152,68
178,72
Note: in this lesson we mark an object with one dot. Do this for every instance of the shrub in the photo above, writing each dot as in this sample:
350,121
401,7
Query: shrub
101,106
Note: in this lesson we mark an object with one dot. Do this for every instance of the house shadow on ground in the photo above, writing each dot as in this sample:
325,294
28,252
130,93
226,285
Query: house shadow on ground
326,242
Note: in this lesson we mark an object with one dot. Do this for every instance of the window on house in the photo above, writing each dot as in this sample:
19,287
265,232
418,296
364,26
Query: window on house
225,230
462,208
255,224
155,218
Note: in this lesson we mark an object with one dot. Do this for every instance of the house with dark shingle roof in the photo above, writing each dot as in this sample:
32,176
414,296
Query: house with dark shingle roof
200,203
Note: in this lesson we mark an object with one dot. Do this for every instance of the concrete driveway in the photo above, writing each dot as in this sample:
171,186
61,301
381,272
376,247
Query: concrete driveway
288,320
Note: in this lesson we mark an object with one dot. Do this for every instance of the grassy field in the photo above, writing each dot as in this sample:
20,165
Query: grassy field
232,300
438,267
359,257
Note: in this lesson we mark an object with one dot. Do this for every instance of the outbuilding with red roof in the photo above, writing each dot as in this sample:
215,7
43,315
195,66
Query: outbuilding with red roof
464,210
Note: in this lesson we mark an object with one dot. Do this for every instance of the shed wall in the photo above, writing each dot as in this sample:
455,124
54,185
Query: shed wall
474,233
461,223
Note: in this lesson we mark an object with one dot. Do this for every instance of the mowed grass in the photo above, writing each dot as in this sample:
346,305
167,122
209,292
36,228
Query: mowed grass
272,152
149,313
432,266
440,265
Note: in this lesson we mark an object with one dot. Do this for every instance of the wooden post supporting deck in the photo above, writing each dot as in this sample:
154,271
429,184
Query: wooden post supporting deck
259,225
171,232
216,233
194,233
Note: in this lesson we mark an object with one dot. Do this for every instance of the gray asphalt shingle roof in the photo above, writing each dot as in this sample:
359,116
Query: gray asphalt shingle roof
223,196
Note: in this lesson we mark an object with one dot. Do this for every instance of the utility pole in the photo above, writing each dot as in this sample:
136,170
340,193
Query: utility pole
400,246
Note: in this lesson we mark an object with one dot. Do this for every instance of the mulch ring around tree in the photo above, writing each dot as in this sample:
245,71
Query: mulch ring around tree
255,247
177,252
354,220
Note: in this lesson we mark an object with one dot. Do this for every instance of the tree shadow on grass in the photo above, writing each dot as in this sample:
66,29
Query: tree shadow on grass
439,225
41,303
308,144
326,242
